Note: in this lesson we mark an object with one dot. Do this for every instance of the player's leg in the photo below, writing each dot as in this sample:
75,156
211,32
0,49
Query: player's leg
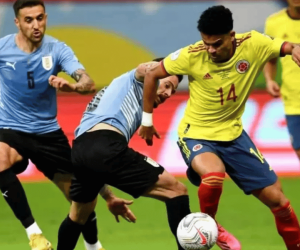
251,172
286,220
12,163
83,193
175,196
293,124
54,160
207,171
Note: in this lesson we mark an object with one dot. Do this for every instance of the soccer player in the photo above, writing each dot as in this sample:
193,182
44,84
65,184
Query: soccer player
101,155
222,69
286,25
28,124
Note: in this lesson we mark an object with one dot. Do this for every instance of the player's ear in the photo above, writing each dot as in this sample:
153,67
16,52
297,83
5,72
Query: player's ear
232,35
17,23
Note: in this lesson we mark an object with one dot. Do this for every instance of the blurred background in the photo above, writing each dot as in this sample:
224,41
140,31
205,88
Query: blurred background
112,37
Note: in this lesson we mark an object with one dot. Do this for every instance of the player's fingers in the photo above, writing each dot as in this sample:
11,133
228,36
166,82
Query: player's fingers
127,202
149,142
117,218
157,135
51,78
130,215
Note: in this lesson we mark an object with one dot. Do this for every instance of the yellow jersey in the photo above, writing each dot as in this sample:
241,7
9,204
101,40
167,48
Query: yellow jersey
282,26
219,91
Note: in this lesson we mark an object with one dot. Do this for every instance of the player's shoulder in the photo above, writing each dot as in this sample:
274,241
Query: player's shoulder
277,17
7,41
196,48
52,42
244,38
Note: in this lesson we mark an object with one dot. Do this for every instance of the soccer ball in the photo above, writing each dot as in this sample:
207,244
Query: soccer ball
197,231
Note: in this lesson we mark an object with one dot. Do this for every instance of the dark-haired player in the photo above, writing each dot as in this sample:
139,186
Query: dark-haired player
101,155
222,69
28,124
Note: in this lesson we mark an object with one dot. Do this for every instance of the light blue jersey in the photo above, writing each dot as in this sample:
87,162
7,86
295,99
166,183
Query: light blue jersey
27,101
120,106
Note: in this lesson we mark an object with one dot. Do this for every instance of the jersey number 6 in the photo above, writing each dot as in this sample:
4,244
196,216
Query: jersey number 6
231,94
30,79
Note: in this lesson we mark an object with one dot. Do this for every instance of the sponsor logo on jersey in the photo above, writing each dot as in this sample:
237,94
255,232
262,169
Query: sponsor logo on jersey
242,66
207,77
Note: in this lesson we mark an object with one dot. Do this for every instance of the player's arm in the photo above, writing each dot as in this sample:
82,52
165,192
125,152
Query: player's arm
84,83
176,63
142,70
69,63
270,71
117,206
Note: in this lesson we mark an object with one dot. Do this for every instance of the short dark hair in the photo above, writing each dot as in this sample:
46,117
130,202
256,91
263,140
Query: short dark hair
20,4
216,20
159,59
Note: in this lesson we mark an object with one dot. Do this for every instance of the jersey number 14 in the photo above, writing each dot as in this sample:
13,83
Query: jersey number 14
231,95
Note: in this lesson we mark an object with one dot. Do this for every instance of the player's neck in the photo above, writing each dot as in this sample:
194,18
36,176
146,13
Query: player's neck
293,13
25,44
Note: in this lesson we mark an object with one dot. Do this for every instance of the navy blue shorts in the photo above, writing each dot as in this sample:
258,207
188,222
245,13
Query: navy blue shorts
293,124
243,161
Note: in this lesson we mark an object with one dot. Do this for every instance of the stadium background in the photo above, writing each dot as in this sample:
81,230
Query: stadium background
111,37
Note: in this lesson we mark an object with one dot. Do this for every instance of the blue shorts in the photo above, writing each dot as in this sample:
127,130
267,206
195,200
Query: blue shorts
243,161
293,124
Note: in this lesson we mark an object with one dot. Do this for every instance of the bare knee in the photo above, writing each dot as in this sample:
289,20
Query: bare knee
63,182
207,163
272,196
167,187
298,153
8,156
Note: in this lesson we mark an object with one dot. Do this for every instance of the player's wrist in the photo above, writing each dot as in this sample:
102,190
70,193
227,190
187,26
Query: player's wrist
147,119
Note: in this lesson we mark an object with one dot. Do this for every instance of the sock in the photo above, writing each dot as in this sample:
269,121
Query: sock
90,233
33,229
177,209
15,196
95,246
288,226
68,234
209,192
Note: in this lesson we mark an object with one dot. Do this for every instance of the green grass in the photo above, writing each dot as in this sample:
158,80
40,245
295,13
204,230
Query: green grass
243,215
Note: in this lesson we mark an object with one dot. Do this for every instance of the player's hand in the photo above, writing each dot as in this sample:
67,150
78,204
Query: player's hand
273,88
61,84
296,55
147,133
119,207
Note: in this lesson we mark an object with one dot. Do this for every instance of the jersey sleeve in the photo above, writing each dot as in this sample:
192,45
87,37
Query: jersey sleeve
266,47
177,63
67,60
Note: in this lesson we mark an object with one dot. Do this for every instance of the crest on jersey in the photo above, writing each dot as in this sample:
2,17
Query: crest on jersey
47,62
242,66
